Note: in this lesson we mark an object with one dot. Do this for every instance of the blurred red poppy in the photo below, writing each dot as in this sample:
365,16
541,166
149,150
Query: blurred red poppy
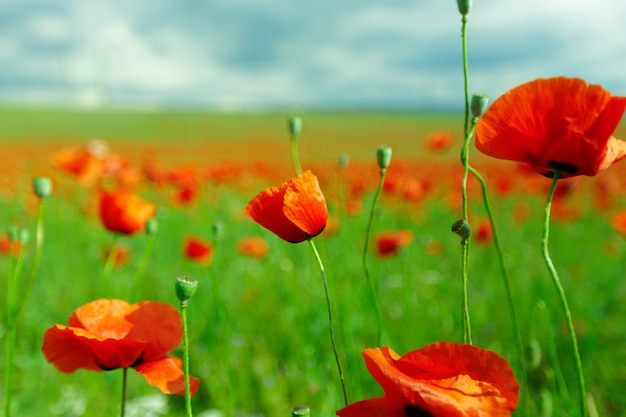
483,232
389,243
439,140
124,212
442,379
110,334
120,254
198,250
7,247
552,124
253,246
618,221
295,210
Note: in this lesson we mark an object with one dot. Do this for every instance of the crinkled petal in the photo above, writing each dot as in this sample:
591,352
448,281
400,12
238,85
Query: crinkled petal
104,317
167,375
372,407
305,205
159,325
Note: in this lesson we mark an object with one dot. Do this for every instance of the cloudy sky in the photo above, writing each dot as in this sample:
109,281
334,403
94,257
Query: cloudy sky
249,54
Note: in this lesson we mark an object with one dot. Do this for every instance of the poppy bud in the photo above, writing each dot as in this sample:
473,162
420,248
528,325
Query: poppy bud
479,105
464,6
42,186
152,226
295,125
546,404
302,410
218,230
185,288
383,155
463,229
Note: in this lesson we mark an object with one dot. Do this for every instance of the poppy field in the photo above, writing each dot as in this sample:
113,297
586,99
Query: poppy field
258,328
318,263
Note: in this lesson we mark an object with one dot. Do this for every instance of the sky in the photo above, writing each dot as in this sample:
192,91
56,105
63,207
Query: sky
296,54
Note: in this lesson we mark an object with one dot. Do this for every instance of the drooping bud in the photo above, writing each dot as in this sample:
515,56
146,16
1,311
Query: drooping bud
152,226
464,6
463,229
301,411
42,186
383,156
295,125
479,105
185,288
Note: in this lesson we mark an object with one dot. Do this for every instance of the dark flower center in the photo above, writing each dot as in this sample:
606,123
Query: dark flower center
416,411
561,167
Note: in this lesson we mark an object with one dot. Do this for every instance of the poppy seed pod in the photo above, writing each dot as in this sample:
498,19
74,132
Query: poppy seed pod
462,228
383,156
479,105
295,125
185,288
42,186
464,6
302,411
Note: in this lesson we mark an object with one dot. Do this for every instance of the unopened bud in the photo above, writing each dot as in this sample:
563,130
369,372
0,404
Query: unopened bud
302,411
383,156
218,230
533,351
479,105
185,288
152,226
344,159
463,229
295,125
464,6
42,186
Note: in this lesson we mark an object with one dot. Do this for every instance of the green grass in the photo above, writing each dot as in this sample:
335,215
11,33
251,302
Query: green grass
275,309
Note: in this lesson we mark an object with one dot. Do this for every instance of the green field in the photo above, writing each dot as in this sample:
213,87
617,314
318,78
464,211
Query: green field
271,351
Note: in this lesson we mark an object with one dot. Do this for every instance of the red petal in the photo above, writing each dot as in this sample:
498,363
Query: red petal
69,349
105,318
159,325
167,375
372,407
124,212
305,205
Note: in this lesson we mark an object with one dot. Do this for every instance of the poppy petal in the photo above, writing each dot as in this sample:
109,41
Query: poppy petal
69,349
372,407
445,379
159,325
167,375
105,318
305,205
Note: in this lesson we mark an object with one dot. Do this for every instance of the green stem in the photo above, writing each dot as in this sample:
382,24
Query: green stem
563,299
507,284
330,320
295,159
183,313
36,259
124,381
370,282
144,259
11,317
465,73
467,328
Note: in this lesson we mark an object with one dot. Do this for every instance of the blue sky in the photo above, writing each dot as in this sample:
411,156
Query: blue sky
291,54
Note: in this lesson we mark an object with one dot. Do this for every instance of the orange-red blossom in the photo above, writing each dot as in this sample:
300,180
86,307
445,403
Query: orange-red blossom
439,380
295,210
560,123
110,334
124,212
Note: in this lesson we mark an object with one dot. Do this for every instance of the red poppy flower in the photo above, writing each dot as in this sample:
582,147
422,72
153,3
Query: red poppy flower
618,221
8,247
110,334
295,210
120,254
198,250
484,232
253,246
124,212
442,380
389,243
555,123
439,140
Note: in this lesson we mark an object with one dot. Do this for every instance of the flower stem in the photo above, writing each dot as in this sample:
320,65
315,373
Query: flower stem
108,267
183,313
563,299
36,258
370,282
124,381
467,328
330,321
11,317
465,73
507,281
295,158
144,259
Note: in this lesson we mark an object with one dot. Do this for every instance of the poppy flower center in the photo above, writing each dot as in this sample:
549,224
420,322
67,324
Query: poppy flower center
562,167
416,411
